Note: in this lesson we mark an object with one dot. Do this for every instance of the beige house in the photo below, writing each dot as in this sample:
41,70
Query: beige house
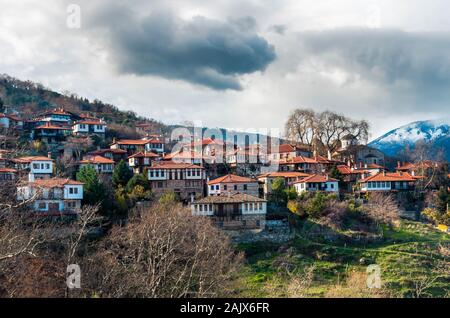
232,183
186,180
233,211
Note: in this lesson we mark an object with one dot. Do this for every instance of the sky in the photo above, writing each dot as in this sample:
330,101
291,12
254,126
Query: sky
238,64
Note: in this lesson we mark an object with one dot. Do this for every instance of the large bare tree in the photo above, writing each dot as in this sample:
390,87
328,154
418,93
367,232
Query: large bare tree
163,251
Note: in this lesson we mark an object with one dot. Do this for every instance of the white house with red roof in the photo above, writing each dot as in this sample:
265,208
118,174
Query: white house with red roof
38,167
114,154
53,196
289,177
232,183
89,126
100,164
10,121
288,151
139,145
317,182
141,160
388,181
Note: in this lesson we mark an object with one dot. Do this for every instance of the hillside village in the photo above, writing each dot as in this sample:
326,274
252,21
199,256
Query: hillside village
84,179
236,185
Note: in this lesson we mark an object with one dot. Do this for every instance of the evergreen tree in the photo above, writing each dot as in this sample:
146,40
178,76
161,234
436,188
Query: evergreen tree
138,180
121,175
2,106
93,190
442,200
336,174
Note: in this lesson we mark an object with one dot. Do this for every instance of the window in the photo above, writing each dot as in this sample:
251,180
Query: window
157,173
225,187
42,205
332,185
246,207
151,173
70,190
189,174
235,187
47,166
198,173
217,187
245,187
35,166
201,207
212,188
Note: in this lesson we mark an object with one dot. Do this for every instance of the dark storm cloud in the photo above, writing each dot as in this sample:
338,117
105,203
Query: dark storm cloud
200,50
410,62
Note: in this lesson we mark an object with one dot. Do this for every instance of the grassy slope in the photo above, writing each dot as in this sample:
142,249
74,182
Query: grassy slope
408,254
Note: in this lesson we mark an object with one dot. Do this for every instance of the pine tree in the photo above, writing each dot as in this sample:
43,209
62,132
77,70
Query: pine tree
121,175
93,190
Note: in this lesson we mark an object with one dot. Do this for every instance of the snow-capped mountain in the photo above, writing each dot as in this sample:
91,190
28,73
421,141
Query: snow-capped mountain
435,131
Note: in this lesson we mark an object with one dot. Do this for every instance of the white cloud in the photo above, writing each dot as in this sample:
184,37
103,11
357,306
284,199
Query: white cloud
35,44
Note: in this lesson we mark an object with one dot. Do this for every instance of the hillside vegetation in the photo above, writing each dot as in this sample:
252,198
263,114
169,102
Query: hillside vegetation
412,259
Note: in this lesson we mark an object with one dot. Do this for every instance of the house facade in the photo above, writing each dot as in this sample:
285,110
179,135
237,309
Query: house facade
53,196
266,180
141,160
387,182
185,180
317,182
233,184
38,167
88,127
233,211
101,164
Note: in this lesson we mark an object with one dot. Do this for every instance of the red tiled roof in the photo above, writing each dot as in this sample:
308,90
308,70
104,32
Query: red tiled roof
54,183
144,155
297,160
131,142
96,159
284,148
30,159
12,117
231,178
343,169
390,176
52,127
317,178
284,175
184,155
90,122
174,165
103,151
5,170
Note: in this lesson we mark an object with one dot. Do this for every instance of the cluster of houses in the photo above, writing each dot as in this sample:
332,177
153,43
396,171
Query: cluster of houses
228,182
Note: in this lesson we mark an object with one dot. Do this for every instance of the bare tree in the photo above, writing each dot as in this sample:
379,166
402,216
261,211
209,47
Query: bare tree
164,251
300,126
383,209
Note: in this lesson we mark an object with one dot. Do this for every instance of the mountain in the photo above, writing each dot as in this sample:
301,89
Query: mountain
435,132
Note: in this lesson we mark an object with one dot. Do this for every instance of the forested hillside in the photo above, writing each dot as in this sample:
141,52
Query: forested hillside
29,98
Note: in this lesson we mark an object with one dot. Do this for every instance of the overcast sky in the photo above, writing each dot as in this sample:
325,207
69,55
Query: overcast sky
238,64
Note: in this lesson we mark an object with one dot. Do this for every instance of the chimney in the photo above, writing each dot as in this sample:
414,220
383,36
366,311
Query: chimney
114,140
398,164
192,198
49,155
360,164
365,165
